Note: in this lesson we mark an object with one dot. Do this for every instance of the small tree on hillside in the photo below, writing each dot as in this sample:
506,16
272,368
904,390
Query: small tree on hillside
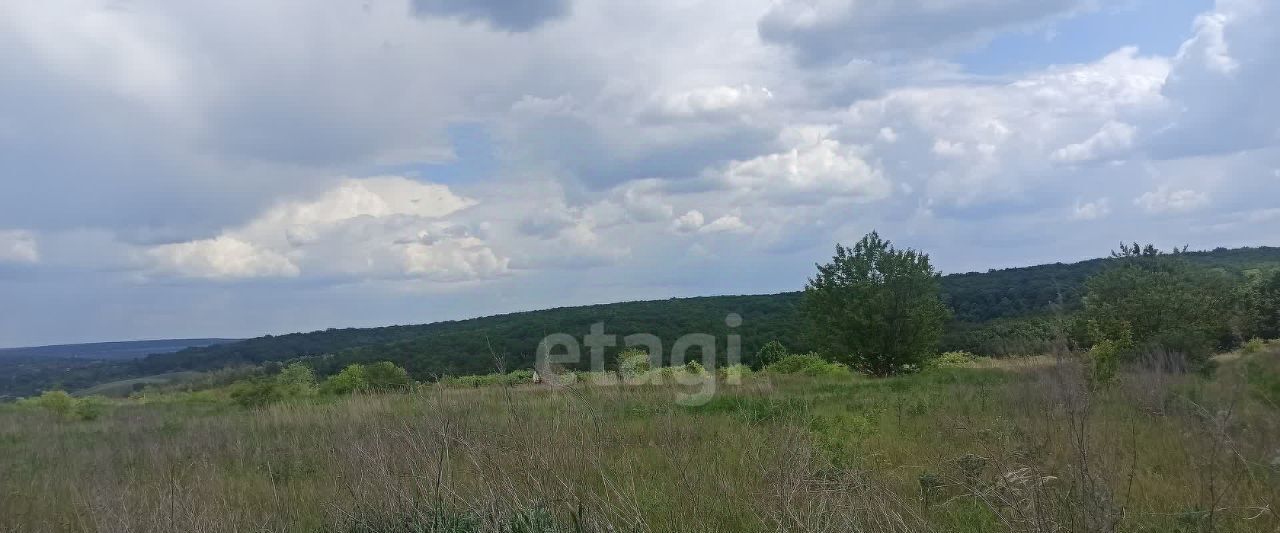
875,307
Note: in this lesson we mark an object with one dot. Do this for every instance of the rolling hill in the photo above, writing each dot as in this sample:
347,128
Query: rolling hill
111,350
25,371
997,312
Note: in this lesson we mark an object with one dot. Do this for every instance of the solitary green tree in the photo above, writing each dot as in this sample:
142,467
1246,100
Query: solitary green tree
875,307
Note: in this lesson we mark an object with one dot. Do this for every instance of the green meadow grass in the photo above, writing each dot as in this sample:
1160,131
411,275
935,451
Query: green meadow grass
1024,445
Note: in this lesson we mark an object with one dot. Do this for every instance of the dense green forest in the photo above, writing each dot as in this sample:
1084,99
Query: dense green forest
999,312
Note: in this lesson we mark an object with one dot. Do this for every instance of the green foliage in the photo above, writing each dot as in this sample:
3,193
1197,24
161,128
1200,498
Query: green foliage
89,408
752,409
1160,301
810,364
770,353
386,376
1259,304
734,372
256,393
57,402
1105,356
876,307
633,362
520,377
297,379
1255,345
1007,337
517,377
68,407
997,313
351,379
957,359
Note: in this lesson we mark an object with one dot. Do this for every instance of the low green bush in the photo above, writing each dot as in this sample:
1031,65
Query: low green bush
386,376
89,408
67,407
297,379
256,393
633,362
1255,345
770,353
351,379
57,402
809,364
734,372
958,359
517,377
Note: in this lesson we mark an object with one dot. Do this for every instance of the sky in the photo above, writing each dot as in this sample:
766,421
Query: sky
174,168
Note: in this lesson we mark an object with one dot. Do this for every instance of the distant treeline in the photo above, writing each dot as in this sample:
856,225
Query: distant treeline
999,312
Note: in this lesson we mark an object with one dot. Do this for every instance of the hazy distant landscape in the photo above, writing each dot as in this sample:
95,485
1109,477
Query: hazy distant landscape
996,313
110,350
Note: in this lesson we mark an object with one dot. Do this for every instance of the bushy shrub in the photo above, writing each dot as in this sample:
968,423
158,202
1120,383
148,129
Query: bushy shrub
68,407
770,353
1258,304
350,379
386,376
1147,301
734,372
57,402
809,364
297,379
954,360
633,362
518,377
89,408
1255,345
256,392
473,381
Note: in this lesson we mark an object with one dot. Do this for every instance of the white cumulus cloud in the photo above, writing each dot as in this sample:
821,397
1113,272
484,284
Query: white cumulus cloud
1094,210
814,167
1166,200
18,246
220,258
1110,141
382,227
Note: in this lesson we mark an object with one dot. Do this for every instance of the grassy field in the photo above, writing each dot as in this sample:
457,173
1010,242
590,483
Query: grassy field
1023,445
